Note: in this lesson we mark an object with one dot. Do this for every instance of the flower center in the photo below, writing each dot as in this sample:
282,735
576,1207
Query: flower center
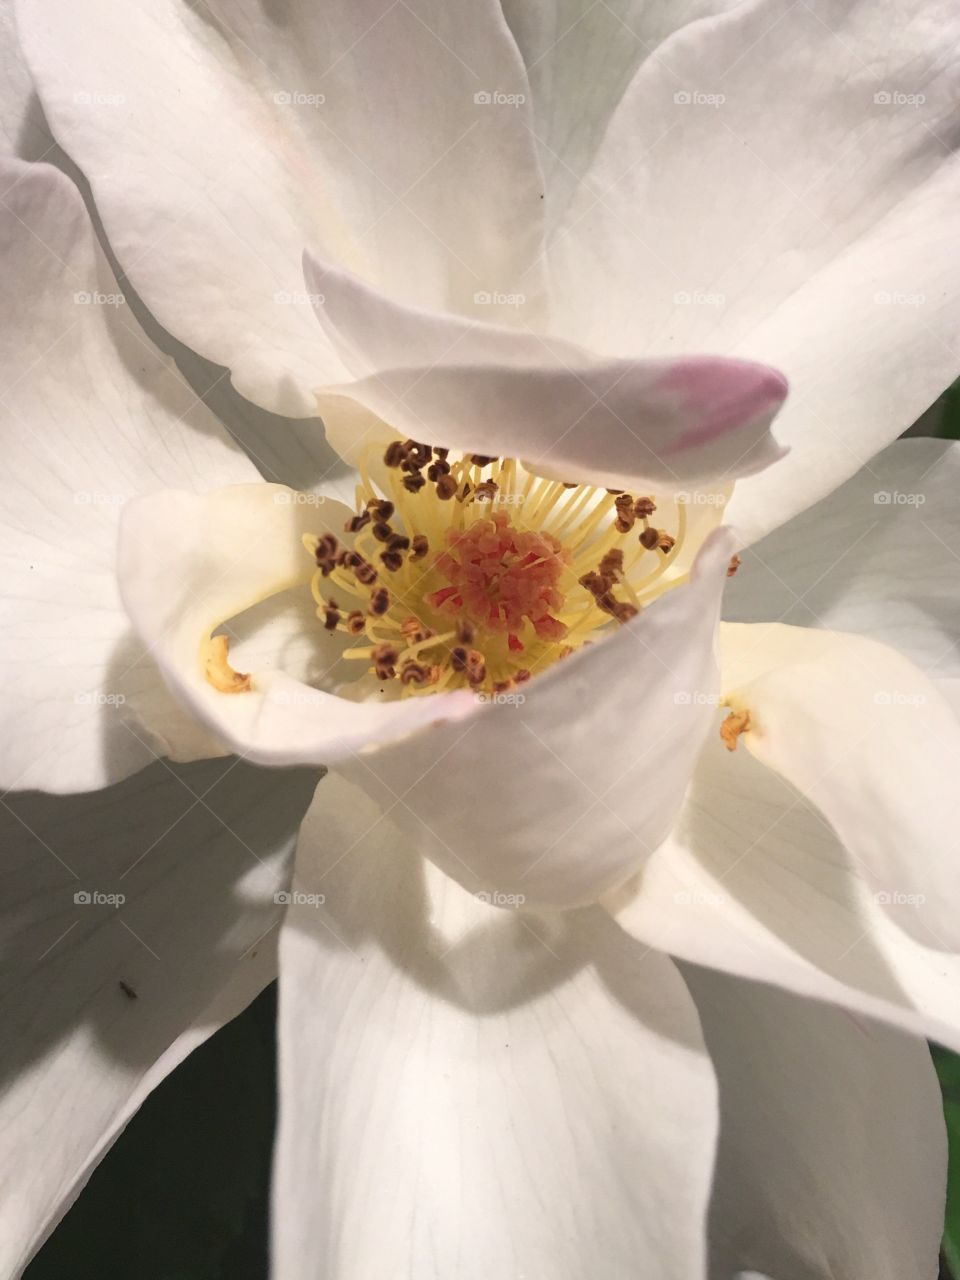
475,573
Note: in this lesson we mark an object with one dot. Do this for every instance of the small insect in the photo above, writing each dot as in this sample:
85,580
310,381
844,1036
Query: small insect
127,990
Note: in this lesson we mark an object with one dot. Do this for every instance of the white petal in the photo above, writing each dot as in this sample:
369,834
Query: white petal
832,1157
485,388
223,553
210,193
580,59
754,882
878,557
809,228
467,1092
23,130
563,793
92,415
199,853
865,735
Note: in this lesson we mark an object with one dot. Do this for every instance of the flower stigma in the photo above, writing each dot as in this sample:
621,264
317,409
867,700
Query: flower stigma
471,572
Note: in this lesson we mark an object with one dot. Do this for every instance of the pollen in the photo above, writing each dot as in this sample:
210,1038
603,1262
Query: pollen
217,669
737,722
471,572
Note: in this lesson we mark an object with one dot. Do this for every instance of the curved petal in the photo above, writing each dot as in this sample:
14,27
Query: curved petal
107,996
562,792
501,1095
753,882
580,59
775,225
91,416
875,558
223,553
427,185
23,130
865,735
832,1158
485,388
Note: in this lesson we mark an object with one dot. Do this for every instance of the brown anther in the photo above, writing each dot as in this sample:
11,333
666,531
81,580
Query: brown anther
666,541
521,676
446,487
570,484
623,524
481,460
392,560
384,508
418,673
364,572
650,539
623,501
381,531
331,616
356,523
593,582
420,546
384,657
465,632
476,667
458,658
737,722
644,507
419,454
442,454
379,602
487,491
615,492
355,622
502,686
395,453
437,469
611,566
624,611
325,553
413,630
398,542
414,482
733,566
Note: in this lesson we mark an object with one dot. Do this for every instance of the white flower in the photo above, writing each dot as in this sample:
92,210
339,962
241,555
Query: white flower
513,224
